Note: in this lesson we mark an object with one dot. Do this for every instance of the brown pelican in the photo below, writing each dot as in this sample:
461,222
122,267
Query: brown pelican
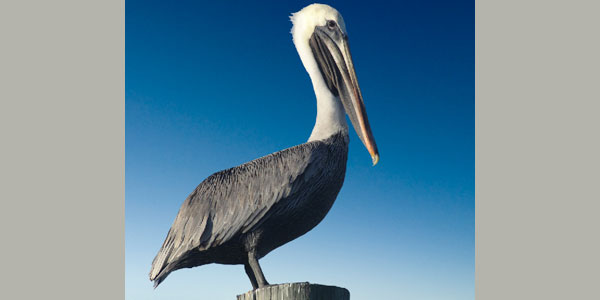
239,215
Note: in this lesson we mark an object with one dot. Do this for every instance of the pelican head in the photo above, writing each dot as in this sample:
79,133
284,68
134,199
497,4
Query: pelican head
320,36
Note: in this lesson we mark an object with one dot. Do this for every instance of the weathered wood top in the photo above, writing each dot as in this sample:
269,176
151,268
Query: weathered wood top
297,291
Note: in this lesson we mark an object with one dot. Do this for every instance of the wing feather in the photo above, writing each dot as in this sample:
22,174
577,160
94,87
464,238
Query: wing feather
235,200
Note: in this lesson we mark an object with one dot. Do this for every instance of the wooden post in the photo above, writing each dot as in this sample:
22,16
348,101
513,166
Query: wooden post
297,291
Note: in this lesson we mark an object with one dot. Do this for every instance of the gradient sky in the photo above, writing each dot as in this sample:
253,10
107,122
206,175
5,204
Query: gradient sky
211,85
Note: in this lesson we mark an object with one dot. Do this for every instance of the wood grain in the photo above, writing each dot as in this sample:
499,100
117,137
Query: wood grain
297,291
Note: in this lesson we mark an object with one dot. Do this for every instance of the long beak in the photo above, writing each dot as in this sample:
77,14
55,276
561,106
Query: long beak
335,62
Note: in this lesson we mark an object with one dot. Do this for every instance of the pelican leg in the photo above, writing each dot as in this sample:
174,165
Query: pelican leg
258,274
250,275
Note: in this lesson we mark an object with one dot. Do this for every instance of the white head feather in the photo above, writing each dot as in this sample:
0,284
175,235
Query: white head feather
305,21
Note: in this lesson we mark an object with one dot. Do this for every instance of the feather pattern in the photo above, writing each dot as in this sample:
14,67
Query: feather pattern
257,206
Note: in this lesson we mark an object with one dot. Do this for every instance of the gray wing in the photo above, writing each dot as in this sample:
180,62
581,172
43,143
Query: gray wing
234,200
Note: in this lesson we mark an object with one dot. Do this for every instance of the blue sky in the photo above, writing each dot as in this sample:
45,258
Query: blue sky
211,85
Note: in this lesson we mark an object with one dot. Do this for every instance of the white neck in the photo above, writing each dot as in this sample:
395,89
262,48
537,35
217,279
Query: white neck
331,117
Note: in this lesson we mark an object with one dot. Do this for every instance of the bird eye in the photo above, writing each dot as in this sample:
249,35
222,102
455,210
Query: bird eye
331,24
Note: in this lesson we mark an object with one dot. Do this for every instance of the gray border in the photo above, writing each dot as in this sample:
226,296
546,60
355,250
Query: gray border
537,147
62,163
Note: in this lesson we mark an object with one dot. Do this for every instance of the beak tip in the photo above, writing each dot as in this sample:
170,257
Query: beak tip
375,158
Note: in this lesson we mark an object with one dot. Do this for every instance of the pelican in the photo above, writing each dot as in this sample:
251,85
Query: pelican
239,215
